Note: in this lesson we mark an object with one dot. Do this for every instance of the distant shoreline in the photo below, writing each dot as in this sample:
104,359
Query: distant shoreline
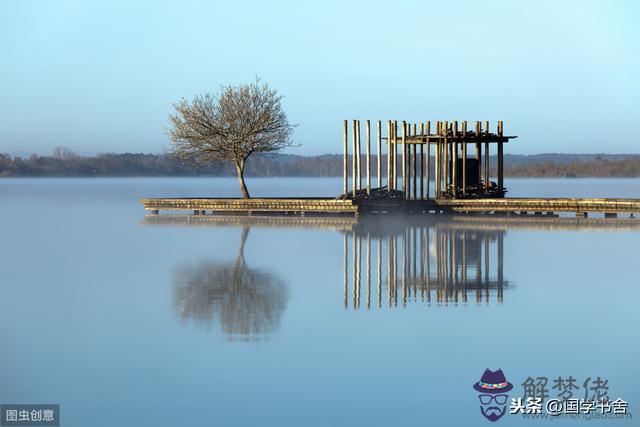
65,163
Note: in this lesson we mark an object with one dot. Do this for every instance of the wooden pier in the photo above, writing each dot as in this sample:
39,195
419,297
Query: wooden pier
298,206
408,159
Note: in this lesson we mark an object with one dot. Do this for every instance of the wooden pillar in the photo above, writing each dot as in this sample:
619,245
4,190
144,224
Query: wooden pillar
406,152
464,158
379,157
454,165
428,158
436,167
394,165
368,137
388,155
358,156
415,163
345,168
487,183
447,157
404,158
500,159
479,150
353,159
422,162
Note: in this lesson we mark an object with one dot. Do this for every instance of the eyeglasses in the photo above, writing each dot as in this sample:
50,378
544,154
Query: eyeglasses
500,399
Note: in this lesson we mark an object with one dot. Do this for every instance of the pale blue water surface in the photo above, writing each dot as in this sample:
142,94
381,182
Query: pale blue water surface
127,321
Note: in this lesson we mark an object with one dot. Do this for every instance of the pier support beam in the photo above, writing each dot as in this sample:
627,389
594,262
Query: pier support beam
358,156
345,149
479,150
368,150
404,158
454,162
428,159
487,183
379,156
394,165
500,159
414,169
422,174
389,155
436,168
464,159
353,159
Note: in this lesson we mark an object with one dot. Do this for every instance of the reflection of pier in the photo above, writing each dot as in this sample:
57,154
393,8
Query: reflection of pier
337,223
429,262
343,223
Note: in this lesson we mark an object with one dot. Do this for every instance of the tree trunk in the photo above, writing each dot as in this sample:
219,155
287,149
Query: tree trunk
243,186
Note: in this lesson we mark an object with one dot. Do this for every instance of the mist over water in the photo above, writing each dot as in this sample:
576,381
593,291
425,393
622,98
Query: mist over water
124,319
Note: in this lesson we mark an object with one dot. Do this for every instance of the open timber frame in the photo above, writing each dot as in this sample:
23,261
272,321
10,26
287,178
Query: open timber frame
461,179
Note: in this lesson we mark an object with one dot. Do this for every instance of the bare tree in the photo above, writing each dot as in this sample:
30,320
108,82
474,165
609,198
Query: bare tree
230,126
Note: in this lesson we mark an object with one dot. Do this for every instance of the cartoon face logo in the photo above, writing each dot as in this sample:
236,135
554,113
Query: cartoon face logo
493,388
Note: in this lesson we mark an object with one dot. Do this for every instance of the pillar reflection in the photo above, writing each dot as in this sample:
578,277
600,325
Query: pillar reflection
437,263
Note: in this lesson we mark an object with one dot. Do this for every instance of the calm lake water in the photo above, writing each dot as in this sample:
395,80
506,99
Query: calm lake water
194,321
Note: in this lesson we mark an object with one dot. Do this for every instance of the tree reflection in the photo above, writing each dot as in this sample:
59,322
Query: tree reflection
247,303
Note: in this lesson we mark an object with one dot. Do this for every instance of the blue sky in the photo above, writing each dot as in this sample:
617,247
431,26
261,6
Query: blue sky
100,76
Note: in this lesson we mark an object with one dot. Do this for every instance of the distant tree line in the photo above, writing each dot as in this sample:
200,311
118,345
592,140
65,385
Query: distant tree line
65,163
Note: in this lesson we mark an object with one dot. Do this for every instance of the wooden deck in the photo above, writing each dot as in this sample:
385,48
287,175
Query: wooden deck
330,206
300,206
581,206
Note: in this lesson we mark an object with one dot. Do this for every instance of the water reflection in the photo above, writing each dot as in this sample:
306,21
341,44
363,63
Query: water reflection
387,261
247,303
422,261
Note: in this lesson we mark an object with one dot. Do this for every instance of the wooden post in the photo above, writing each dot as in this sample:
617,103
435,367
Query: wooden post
464,158
421,163
415,174
404,158
454,165
428,159
394,165
406,152
436,167
479,150
353,159
358,156
368,135
388,155
345,169
447,157
379,158
500,159
487,183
